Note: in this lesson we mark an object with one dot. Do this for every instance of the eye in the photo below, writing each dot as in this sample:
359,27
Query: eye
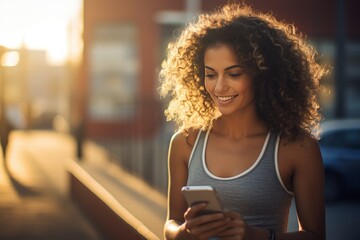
210,75
235,75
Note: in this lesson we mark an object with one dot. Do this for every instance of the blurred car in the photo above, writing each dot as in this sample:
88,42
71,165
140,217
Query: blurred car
340,148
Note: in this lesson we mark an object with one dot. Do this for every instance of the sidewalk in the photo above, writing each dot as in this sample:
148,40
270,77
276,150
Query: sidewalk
34,202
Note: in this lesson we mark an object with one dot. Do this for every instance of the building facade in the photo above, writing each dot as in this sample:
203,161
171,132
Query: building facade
125,42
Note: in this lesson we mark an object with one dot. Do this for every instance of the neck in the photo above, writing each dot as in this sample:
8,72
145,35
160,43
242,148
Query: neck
239,125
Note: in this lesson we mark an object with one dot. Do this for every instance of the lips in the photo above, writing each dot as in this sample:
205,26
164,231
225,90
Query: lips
225,99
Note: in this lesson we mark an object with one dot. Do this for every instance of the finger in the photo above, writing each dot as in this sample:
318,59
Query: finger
233,215
236,230
211,229
204,220
192,211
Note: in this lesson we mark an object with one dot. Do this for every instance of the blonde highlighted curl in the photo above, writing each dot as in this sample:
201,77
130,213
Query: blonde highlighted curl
286,74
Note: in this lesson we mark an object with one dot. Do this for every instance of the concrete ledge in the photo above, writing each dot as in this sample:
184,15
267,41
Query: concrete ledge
109,216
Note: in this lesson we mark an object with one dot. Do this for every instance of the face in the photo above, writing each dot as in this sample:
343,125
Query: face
230,87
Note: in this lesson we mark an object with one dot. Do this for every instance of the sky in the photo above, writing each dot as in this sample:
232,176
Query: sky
38,24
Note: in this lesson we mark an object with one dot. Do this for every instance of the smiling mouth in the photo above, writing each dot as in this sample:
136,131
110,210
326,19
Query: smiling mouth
226,98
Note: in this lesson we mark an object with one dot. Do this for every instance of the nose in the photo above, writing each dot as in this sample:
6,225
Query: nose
221,84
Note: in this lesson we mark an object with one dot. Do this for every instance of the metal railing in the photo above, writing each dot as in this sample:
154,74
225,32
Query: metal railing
144,156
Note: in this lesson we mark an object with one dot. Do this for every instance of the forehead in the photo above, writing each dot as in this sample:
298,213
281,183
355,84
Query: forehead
220,55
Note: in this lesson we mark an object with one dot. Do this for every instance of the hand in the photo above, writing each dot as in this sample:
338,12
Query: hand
236,228
204,226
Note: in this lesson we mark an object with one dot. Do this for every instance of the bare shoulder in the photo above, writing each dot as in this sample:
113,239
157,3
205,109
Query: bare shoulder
303,140
182,137
182,143
184,140
302,150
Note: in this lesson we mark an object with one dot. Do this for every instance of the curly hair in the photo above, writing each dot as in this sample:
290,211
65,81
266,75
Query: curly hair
284,66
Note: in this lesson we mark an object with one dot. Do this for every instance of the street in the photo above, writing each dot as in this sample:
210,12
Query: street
34,202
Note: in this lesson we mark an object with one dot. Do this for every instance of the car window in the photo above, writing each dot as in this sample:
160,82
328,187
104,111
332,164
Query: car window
349,138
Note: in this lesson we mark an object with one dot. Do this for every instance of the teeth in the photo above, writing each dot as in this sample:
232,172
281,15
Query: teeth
227,98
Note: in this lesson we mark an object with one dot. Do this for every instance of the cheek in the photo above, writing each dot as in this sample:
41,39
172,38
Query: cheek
245,87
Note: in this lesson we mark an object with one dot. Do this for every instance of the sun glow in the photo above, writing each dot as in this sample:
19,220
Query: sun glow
41,24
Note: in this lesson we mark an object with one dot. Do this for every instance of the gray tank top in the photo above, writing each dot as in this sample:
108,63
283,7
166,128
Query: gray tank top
258,193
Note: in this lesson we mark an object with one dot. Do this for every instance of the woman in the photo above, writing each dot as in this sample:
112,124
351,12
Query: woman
243,90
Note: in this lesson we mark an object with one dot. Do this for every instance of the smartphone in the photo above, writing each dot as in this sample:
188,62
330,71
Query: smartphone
199,194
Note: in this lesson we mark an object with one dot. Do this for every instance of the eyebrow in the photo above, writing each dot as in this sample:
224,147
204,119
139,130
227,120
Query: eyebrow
228,68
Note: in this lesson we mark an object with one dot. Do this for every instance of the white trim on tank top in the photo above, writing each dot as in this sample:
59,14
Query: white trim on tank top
248,170
276,153
194,147
240,174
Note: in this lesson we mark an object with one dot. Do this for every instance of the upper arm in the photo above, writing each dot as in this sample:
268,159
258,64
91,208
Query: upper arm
179,153
308,185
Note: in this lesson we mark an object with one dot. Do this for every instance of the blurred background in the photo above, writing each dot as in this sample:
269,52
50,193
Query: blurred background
78,81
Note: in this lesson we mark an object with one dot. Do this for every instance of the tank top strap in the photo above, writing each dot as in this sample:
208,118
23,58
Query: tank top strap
198,147
269,152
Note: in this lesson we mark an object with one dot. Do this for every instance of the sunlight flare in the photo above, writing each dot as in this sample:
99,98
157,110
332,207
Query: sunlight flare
39,24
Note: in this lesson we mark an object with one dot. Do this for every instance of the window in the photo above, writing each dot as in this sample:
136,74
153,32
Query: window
351,81
114,68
